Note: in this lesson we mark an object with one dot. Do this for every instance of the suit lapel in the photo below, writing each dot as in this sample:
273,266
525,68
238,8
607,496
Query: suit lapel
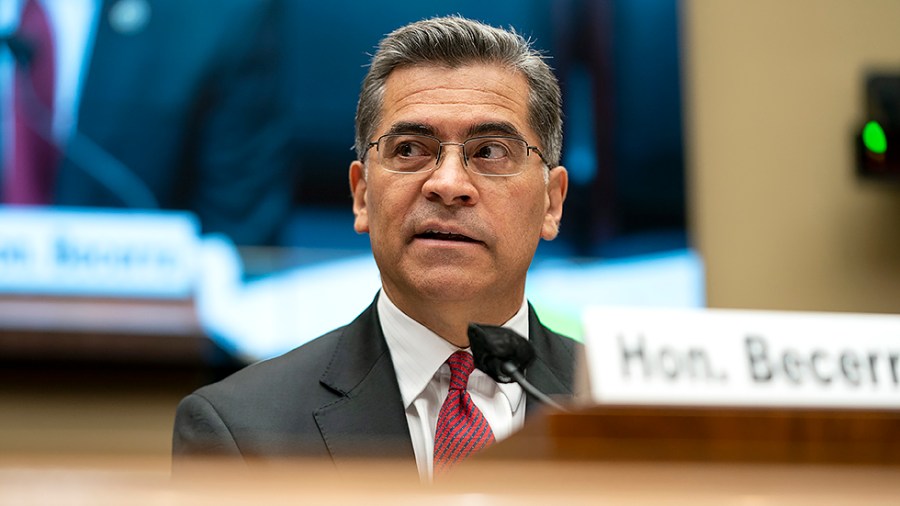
368,418
119,62
553,370
114,74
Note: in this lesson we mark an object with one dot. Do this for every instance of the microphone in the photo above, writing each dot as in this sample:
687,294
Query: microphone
503,354
20,49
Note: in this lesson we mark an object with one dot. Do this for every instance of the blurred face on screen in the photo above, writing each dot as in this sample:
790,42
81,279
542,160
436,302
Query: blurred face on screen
442,231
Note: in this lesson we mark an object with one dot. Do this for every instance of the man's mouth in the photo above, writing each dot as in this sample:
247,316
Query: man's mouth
445,236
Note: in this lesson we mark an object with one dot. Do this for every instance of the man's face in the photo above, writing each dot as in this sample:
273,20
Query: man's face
450,235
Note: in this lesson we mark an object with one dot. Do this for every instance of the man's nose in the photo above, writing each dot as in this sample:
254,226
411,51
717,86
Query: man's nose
446,149
450,182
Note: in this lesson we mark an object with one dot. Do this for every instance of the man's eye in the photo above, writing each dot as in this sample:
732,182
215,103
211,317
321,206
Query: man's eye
491,151
411,150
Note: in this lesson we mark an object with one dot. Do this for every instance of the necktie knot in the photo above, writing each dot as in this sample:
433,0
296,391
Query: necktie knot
461,366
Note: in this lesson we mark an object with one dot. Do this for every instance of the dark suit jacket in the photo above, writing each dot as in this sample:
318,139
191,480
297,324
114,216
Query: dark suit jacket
186,103
335,397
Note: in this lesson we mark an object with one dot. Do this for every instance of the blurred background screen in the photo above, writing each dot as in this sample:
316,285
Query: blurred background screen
237,118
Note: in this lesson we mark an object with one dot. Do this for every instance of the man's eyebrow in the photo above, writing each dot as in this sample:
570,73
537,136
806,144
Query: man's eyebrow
493,127
407,127
487,128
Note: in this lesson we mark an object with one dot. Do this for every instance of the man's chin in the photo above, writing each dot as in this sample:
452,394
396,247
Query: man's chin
450,288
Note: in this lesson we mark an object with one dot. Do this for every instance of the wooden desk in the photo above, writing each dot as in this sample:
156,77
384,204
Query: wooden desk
137,482
708,434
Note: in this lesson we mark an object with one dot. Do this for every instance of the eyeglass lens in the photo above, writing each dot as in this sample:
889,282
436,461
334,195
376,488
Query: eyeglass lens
488,155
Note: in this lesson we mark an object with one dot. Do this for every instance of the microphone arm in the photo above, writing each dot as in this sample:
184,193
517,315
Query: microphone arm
513,371
502,354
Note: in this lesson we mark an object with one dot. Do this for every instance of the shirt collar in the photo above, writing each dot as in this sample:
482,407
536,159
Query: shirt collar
418,353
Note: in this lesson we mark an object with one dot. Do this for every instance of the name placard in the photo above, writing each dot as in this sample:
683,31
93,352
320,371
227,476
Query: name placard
97,252
742,358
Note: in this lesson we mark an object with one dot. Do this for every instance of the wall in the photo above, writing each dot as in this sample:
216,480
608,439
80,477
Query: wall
774,93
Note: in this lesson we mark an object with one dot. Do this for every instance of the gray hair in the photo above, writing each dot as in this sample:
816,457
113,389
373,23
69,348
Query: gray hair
455,42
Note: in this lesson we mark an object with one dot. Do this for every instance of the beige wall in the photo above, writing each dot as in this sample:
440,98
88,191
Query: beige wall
773,93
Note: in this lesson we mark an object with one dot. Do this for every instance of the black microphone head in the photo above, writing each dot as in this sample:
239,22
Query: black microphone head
21,49
494,346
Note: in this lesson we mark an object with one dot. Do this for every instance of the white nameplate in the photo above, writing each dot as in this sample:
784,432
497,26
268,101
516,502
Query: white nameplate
750,358
97,253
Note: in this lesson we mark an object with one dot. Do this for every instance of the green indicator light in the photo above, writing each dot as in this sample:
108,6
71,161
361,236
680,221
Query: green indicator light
874,138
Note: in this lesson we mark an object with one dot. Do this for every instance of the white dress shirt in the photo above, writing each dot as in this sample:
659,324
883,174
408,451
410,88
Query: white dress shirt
419,357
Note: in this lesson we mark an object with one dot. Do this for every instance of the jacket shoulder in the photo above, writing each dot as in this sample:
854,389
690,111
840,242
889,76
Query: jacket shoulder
265,409
557,353
289,381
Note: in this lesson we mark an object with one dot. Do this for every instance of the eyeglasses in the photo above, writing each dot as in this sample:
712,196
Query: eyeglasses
488,155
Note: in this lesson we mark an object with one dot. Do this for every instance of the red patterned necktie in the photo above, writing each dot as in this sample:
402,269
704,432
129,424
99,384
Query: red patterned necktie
461,426
34,158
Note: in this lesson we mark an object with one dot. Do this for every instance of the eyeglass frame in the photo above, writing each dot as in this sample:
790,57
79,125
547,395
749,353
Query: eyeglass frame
437,159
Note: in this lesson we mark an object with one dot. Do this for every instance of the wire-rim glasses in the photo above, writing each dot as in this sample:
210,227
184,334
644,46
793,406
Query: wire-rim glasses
487,155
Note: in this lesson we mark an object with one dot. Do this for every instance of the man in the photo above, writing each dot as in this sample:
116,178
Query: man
153,104
458,136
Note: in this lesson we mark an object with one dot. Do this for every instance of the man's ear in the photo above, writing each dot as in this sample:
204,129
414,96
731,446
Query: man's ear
557,186
358,190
